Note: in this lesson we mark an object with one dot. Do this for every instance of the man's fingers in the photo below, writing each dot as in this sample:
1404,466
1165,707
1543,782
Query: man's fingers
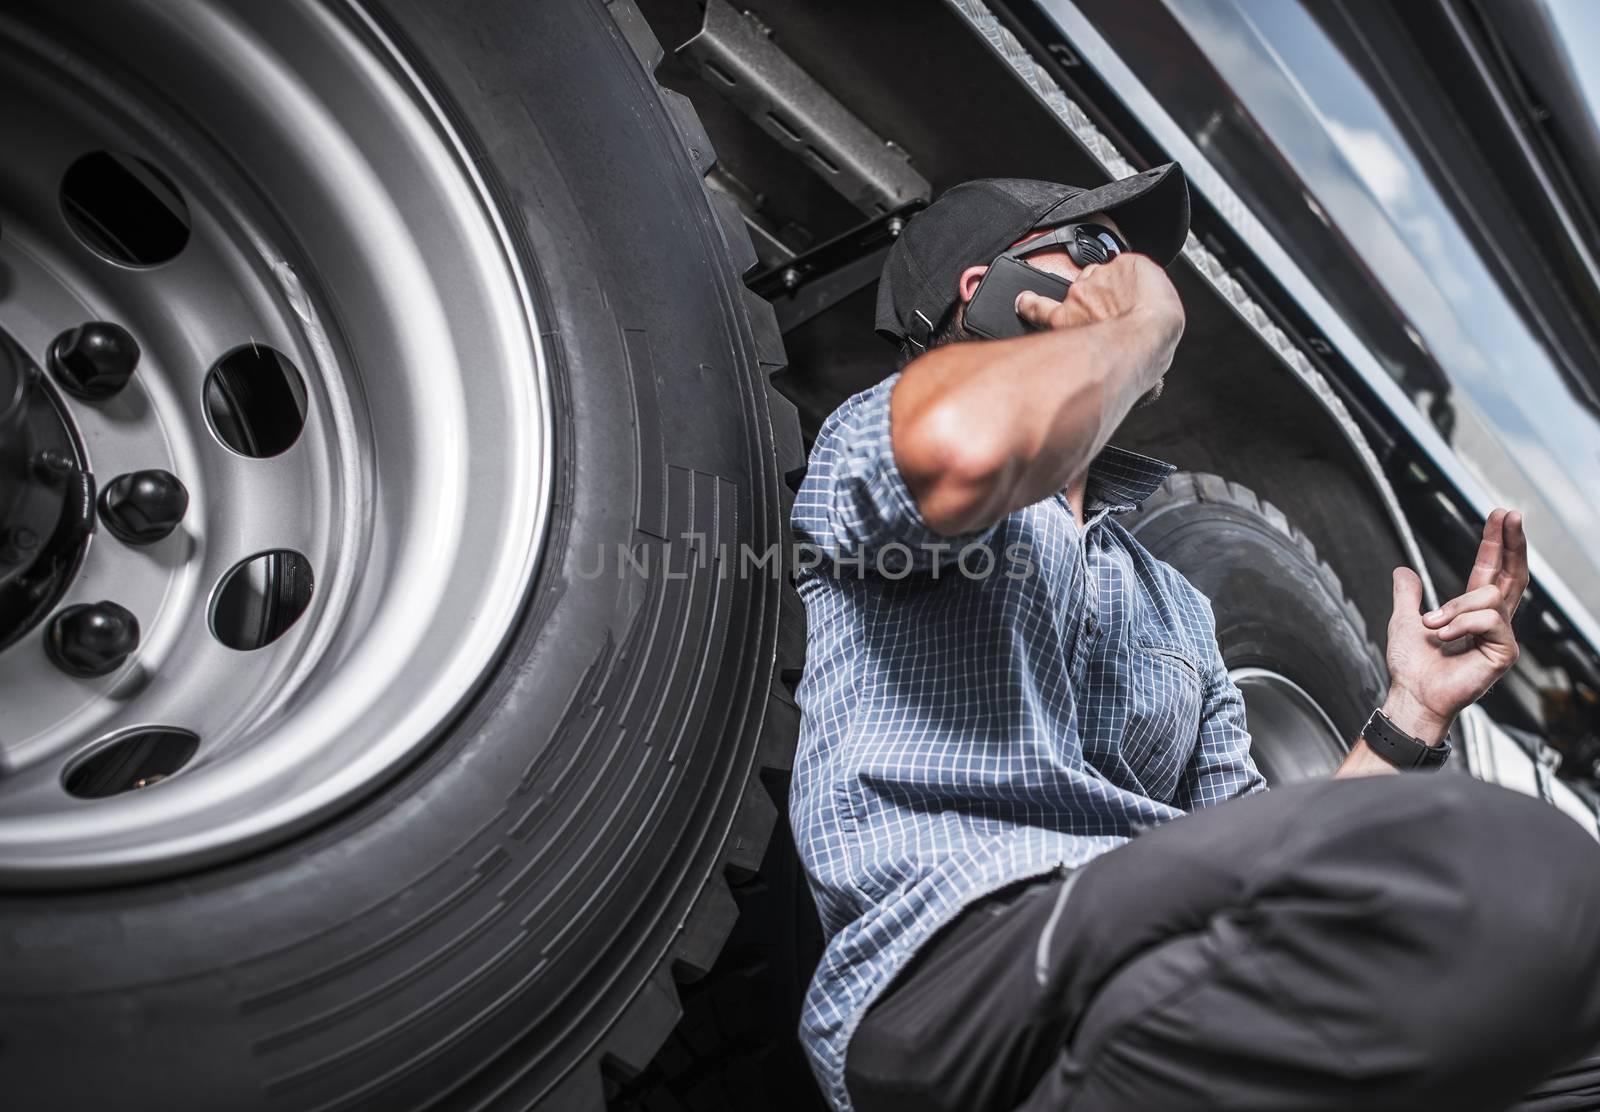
1407,593
1489,624
1487,563
1483,598
1035,308
1513,577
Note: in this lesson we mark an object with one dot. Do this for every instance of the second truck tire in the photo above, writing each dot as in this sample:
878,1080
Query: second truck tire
1297,647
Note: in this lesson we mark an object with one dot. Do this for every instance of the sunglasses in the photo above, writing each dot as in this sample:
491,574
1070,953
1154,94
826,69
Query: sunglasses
1083,243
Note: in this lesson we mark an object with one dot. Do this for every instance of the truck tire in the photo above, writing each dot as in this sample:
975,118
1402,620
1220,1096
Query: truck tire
1295,645
500,921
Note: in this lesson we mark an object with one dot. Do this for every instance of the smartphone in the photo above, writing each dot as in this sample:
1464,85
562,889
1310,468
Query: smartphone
992,312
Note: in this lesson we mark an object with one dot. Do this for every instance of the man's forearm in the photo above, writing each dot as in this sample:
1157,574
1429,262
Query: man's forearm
982,429
1362,761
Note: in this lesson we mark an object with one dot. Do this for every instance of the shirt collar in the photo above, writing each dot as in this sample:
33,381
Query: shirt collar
1121,480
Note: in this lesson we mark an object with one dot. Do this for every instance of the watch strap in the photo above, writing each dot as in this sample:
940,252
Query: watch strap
1399,748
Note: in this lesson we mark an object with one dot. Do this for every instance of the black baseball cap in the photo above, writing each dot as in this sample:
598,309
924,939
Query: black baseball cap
973,222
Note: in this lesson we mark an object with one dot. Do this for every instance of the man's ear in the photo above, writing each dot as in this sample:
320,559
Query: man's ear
970,278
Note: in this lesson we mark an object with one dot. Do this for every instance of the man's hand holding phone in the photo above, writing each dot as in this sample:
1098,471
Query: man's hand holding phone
1130,287
1033,410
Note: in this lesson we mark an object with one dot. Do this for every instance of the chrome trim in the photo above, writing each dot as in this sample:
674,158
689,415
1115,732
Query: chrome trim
1494,756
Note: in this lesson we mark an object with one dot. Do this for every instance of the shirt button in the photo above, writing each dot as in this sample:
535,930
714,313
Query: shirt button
1090,625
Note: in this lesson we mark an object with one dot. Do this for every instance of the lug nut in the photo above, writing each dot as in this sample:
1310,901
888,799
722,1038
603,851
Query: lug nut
142,507
91,639
94,360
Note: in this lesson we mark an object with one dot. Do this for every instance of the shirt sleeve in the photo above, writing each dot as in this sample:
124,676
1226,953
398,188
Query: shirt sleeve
1221,768
853,506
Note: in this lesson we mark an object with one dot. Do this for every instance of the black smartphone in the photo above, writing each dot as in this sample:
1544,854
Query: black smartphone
992,312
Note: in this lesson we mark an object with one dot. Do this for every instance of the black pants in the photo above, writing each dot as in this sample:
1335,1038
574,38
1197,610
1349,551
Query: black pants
1412,942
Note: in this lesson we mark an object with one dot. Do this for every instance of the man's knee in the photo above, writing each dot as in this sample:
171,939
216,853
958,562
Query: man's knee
1497,841
1437,890
1508,899
1521,854
1546,880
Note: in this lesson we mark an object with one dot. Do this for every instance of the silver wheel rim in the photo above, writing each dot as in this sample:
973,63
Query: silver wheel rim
1291,736
337,218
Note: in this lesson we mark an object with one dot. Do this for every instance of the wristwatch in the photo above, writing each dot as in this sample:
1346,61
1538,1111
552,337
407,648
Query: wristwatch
1399,748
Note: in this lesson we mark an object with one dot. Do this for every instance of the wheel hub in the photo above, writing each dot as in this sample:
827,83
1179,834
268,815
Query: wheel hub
324,486
44,495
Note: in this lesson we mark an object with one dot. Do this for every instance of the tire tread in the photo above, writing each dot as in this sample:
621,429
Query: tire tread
1201,486
646,1026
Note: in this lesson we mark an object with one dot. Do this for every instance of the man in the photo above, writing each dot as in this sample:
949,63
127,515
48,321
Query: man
1009,706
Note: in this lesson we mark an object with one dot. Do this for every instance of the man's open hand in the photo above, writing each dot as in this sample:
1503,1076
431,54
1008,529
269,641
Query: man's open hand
1442,662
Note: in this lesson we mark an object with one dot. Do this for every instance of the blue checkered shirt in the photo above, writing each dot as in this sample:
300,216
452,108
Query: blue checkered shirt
982,709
